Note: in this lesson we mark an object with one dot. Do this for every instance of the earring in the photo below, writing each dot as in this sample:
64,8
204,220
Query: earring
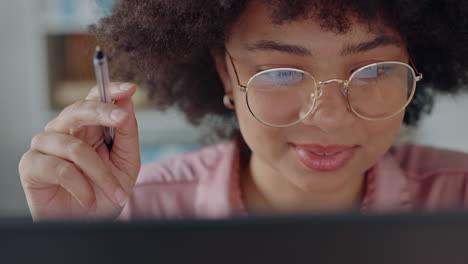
228,102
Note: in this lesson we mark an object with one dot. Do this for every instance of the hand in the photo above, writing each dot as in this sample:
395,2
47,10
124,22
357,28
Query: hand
68,172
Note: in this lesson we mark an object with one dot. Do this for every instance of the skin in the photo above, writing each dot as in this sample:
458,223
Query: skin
275,180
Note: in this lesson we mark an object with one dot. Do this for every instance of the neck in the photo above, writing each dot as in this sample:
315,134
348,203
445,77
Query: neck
267,192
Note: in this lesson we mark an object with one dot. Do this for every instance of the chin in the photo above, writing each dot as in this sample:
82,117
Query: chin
320,183
309,180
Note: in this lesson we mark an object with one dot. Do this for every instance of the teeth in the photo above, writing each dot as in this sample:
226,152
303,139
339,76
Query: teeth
325,154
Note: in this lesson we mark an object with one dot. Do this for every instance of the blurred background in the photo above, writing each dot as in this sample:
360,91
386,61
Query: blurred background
46,64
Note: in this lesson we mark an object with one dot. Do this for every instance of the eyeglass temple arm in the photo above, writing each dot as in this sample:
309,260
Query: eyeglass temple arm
419,75
241,87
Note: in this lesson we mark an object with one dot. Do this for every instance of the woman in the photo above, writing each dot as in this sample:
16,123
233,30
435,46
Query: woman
309,97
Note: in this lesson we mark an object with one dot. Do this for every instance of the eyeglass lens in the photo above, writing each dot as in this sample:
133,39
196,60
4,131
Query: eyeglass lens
285,96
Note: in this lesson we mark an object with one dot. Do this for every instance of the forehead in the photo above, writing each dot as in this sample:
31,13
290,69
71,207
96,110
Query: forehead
257,23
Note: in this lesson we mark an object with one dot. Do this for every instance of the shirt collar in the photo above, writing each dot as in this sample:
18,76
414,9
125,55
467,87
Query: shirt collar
387,188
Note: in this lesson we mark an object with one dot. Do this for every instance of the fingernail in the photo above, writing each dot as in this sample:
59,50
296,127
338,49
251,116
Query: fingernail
126,86
121,197
118,115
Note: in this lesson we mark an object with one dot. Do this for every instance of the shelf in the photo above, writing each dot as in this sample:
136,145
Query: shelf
58,28
68,92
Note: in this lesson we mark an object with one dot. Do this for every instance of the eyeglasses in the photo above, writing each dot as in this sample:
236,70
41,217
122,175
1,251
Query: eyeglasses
283,97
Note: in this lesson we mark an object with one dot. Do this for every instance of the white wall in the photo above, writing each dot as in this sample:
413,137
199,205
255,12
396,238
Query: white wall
15,107
447,126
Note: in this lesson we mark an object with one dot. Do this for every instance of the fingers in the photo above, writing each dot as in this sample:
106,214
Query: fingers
125,152
53,170
85,158
87,113
118,91
93,112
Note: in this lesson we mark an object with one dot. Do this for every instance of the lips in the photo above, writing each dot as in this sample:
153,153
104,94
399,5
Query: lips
324,158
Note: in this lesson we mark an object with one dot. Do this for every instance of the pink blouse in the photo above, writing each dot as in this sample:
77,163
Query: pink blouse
206,183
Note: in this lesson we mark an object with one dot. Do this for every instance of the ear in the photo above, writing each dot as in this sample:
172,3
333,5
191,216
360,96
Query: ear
221,67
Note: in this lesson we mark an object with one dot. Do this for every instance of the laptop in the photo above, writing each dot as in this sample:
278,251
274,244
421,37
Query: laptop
398,238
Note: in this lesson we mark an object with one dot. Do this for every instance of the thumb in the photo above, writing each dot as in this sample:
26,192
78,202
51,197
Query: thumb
125,152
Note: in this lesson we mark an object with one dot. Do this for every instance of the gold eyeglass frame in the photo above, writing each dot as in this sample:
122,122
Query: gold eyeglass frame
344,89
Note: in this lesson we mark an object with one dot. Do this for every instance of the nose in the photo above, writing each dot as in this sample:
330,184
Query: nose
331,111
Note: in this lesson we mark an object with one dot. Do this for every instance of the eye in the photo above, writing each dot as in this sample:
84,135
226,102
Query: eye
374,71
281,76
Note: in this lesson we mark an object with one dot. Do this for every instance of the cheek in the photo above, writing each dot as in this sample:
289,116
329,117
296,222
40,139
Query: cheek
381,135
260,138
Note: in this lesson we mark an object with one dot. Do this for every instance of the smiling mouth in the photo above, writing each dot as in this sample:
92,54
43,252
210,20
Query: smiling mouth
324,158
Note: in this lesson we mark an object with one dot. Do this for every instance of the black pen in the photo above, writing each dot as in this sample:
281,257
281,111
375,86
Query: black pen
102,78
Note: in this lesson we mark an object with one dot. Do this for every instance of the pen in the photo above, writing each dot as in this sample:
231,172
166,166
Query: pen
102,78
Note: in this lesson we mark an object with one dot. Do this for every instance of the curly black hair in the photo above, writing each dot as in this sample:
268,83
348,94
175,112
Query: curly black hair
164,46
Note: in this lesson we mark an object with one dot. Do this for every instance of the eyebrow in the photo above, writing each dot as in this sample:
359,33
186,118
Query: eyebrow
270,45
379,41
278,46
